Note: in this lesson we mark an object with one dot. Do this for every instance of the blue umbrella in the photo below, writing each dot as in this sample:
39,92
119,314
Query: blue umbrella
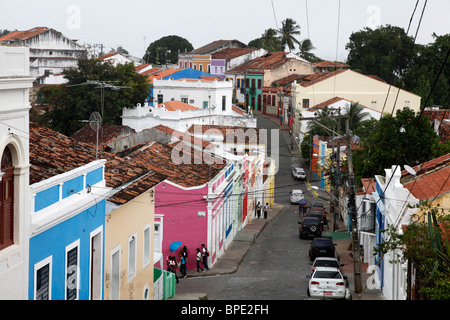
174,246
302,201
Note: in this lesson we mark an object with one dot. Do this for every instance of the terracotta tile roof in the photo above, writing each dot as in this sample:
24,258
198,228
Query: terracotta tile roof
23,35
433,178
444,131
141,66
193,140
317,77
110,132
218,45
369,185
268,61
108,55
176,105
230,53
52,153
289,79
159,73
159,158
331,64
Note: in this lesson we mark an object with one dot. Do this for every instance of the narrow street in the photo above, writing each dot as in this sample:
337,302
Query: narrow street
276,265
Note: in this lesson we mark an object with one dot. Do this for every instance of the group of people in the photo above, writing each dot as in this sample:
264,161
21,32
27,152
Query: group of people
202,257
259,207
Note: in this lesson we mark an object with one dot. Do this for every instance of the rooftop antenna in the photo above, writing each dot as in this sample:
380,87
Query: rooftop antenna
95,121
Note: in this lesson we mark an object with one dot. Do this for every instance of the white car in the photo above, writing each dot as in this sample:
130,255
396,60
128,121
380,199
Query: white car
298,173
326,262
328,283
296,195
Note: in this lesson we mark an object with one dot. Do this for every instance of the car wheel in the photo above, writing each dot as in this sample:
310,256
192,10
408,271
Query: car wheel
313,228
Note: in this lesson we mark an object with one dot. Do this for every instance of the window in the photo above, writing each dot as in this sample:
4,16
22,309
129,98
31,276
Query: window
253,83
72,265
114,291
224,105
273,101
147,245
238,83
160,98
184,100
259,83
43,279
132,257
305,103
7,200
200,67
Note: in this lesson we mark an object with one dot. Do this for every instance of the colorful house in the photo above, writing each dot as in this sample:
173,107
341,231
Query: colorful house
195,202
67,232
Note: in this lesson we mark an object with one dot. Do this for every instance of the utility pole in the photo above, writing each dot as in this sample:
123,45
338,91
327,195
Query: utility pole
353,217
337,175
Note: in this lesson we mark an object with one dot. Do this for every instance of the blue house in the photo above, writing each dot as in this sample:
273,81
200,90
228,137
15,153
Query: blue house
67,235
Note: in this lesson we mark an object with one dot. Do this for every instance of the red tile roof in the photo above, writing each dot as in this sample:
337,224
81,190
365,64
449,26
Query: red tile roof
331,64
218,45
110,132
268,61
23,35
159,157
433,178
230,53
176,105
317,77
52,153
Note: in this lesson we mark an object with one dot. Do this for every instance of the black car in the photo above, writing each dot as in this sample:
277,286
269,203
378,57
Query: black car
322,247
310,226
317,215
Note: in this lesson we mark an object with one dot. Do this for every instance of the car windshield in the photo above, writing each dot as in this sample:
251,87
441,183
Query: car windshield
310,220
323,243
327,274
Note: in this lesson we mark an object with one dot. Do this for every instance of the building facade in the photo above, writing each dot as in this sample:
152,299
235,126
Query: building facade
15,83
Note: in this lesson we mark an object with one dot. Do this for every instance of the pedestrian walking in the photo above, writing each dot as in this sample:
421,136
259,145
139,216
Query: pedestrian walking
266,208
205,255
258,209
183,268
199,258
172,266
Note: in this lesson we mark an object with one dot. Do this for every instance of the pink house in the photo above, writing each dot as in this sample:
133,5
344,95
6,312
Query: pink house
194,204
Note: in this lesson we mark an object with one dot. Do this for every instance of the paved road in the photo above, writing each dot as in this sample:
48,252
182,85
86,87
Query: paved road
276,265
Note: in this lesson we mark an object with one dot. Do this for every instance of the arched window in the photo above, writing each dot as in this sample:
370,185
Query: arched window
7,200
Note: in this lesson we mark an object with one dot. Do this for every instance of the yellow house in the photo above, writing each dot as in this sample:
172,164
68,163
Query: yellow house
201,62
129,240
369,91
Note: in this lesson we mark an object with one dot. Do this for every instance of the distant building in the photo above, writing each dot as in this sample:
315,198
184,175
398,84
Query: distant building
50,51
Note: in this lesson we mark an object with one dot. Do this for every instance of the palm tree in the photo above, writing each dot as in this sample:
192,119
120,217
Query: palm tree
270,41
289,29
355,114
305,48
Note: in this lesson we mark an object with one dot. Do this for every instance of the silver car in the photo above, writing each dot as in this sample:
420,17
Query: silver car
298,173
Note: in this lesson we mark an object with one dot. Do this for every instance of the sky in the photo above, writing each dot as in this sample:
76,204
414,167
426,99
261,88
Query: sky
134,24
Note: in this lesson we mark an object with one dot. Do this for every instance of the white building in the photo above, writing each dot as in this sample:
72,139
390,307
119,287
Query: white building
50,51
15,82
211,98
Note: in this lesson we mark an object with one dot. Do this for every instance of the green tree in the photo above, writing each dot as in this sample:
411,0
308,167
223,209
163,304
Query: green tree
305,48
403,139
166,47
289,29
268,41
385,52
70,104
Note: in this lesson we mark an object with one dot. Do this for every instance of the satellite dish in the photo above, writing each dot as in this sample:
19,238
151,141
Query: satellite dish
409,169
95,120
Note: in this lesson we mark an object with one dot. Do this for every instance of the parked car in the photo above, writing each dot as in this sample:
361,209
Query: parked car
296,195
328,283
326,262
318,210
298,173
310,226
316,214
322,247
